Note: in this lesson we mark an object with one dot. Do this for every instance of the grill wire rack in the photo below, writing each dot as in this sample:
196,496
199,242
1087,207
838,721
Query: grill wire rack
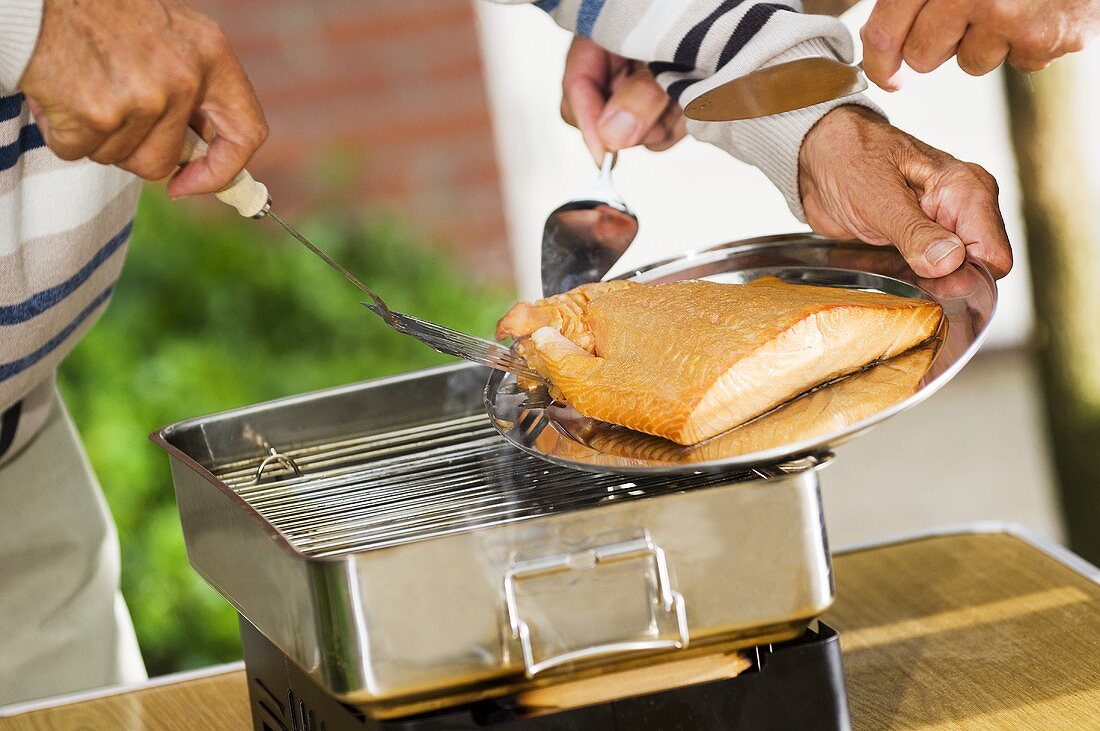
422,482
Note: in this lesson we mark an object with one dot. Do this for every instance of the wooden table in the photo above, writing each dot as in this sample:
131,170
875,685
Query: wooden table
974,630
980,630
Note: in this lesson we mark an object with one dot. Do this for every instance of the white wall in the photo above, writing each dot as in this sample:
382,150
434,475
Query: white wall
684,197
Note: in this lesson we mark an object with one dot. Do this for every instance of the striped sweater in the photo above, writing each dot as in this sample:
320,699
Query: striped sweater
63,234
693,46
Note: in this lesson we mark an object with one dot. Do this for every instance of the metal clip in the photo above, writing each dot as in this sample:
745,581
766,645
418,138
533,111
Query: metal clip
671,601
274,457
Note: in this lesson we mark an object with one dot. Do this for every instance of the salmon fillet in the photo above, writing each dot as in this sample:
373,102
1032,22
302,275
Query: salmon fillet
689,360
824,410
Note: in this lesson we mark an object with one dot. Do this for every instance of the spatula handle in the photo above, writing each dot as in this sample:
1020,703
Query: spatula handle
244,193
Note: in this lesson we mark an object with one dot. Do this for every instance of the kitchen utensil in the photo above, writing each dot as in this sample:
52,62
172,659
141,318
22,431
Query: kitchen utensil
555,432
251,200
419,560
783,87
584,238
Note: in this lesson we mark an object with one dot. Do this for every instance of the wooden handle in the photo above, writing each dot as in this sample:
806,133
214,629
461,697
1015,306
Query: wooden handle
244,193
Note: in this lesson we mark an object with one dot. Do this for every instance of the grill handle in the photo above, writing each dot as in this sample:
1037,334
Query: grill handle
670,601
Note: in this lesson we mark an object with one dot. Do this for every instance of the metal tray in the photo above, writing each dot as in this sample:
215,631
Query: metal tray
406,557
557,433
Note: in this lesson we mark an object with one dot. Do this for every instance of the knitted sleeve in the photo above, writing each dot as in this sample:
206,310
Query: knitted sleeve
19,24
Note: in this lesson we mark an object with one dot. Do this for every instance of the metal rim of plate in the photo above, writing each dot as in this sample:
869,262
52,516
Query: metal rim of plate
968,296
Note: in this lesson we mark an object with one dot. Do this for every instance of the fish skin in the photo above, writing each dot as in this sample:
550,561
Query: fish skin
689,360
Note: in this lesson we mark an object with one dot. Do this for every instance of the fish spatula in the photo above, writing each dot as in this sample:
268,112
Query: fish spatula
250,198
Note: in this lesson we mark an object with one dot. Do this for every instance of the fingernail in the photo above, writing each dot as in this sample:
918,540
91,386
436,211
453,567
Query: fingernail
619,128
940,250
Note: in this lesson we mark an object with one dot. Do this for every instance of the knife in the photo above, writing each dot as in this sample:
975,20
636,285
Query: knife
776,89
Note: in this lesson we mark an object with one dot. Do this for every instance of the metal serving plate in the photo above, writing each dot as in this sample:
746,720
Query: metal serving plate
818,421
407,557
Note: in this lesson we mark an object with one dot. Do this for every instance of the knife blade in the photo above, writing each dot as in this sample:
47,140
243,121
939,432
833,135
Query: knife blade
776,89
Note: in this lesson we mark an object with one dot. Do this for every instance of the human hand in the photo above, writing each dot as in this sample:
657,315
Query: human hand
616,103
981,33
861,177
120,82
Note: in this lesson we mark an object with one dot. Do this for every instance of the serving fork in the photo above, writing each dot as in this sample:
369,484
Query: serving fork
250,198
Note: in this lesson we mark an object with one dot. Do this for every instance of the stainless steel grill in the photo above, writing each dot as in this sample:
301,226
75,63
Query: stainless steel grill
405,556
423,482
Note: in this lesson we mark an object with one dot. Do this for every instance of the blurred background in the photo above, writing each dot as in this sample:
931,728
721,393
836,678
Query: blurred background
420,142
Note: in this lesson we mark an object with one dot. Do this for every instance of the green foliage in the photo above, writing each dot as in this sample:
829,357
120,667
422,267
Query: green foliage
215,312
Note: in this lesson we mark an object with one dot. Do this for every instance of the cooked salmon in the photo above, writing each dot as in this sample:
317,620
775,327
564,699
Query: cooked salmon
824,410
689,360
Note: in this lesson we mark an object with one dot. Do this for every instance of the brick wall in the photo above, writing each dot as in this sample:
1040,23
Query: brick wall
387,96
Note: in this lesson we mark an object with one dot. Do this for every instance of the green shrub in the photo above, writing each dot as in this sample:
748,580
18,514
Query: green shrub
215,312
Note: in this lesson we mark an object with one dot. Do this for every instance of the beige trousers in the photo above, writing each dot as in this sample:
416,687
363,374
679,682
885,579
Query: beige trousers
64,626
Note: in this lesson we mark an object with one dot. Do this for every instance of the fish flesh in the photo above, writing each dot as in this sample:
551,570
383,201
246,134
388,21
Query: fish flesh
827,409
689,360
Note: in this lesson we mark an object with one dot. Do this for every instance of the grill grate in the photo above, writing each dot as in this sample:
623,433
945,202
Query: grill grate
427,481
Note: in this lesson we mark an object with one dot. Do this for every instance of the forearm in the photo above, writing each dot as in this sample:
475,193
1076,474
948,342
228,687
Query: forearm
20,21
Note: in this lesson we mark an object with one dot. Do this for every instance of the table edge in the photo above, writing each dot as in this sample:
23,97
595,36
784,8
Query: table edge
65,699
1052,549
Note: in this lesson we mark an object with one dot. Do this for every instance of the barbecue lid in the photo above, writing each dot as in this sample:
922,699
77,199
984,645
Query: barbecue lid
818,420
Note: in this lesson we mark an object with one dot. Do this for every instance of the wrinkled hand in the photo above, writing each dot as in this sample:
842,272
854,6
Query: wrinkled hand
861,177
616,103
119,82
981,33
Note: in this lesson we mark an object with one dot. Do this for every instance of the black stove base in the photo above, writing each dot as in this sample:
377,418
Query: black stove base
795,685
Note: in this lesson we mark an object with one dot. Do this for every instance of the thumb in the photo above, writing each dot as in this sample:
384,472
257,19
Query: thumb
230,109
931,250
637,103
